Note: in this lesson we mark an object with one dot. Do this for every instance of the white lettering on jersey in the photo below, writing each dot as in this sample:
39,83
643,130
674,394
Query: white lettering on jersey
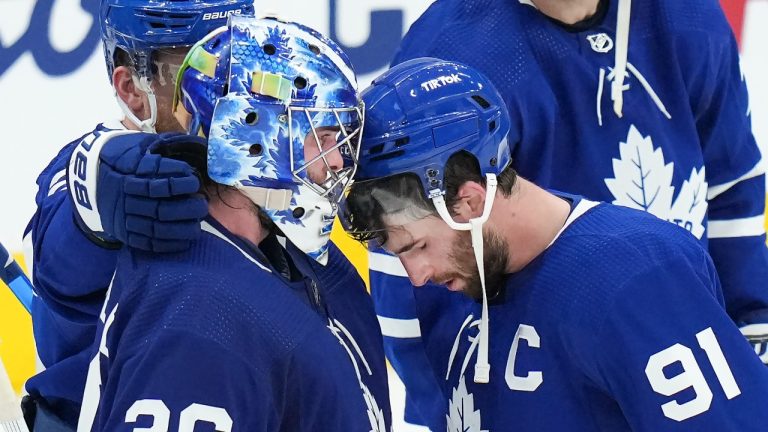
83,175
690,377
642,180
533,379
161,415
188,418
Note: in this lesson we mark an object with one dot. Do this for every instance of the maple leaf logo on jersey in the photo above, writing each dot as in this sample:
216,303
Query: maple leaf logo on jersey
375,415
462,416
644,182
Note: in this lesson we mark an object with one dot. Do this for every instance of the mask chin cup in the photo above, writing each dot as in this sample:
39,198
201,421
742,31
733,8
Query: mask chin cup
307,223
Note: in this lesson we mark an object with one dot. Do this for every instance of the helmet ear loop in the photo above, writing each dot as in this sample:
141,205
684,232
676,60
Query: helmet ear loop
143,84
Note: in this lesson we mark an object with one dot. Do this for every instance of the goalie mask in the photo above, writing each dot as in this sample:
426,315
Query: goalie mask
278,103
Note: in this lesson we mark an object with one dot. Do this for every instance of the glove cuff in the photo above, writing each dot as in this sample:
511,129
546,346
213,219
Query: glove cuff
99,239
82,178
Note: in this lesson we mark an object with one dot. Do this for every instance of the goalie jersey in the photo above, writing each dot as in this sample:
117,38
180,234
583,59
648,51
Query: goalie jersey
682,150
217,335
603,345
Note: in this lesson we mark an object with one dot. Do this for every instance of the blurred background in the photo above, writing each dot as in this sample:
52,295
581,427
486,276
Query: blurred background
54,87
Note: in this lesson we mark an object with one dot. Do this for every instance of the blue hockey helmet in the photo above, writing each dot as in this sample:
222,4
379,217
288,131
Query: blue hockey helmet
422,112
259,90
141,26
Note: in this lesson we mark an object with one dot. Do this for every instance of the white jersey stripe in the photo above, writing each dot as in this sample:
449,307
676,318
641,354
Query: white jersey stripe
387,264
746,227
399,328
714,191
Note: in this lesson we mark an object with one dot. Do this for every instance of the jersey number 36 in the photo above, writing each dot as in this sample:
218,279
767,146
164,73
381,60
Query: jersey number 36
161,416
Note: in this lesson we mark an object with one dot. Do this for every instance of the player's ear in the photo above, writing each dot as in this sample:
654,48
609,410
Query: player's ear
470,199
134,97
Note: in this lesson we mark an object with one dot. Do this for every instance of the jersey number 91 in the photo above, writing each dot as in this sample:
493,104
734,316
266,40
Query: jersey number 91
690,377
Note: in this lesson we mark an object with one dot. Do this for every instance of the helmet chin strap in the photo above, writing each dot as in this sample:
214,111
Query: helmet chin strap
622,46
147,125
475,227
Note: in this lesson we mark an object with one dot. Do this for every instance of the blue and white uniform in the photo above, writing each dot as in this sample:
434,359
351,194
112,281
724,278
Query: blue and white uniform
71,273
601,345
683,149
247,338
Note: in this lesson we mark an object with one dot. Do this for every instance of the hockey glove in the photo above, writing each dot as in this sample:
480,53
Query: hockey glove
754,327
144,197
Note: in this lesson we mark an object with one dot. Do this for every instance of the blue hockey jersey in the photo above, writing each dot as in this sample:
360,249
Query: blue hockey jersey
71,273
218,335
683,149
618,326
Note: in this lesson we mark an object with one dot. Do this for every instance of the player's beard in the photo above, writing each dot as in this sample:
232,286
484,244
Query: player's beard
495,261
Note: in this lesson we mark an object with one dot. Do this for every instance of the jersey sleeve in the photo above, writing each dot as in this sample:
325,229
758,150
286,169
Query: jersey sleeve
734,168
671,358
67,296
417,358
182,378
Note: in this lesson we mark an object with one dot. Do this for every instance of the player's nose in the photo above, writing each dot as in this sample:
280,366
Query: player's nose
334,158
419,272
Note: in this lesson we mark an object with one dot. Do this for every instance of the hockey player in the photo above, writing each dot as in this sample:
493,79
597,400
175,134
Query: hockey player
74,258
588,316
259,325
641,105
